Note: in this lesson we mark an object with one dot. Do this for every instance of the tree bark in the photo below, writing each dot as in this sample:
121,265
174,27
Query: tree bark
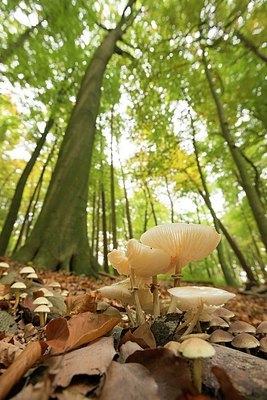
104,230
251,192
59,239
16,200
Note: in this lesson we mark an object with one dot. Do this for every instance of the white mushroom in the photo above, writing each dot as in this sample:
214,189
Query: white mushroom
183,242
193,299
3,268
17,288
26,270
119,261
42,310
146,261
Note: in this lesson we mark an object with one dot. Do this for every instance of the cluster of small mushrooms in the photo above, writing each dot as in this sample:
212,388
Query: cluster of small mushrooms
23,287
166,249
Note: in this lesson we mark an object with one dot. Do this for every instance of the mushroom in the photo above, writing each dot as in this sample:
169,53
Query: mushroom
263,344
41,300
245,341
122,291
173,346
55,285
26,271
30,277
218,322
119,261
184,243
17,288
42,310
241,327
262,328
3,268
46,292
145,261
221,337
196,349
193,299
223,313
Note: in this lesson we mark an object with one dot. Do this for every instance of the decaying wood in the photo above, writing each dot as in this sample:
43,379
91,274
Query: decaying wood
247,373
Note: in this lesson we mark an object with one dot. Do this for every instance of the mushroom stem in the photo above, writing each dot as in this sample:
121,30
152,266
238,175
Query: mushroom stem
17,294
130,315
42,319
197,374
155,291
139,312
176,282
194,320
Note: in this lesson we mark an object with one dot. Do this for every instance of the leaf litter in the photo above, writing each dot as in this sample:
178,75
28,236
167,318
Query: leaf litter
84,354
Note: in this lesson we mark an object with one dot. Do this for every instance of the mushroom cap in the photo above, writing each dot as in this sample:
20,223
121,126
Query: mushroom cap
262,328
18,285
220,336
263,344
189,297
46,292
41,300
54,284
4,265
245,341
186,242
42,308
241,327
27,270
218,321
32,275
121,291
119,261
223,313
196,348
147,261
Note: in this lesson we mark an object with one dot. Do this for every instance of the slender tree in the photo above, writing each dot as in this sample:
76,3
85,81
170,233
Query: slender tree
59,239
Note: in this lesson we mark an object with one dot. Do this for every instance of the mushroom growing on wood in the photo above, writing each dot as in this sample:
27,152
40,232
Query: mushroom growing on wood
184,243
241,327
196,349
147,262
193,299
245,341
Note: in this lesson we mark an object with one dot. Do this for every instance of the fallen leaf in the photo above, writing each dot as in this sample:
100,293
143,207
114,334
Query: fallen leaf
80,329
8,353
81,303
39,391
129,381
29,356
7,323
127,349
91,360
171,373
228,389
142,335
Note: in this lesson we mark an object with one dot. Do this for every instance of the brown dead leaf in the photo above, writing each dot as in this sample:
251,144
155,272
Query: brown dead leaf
80,329
142,336
171,373
39,391
228,389
127,349
29,356
129,381
91,360
81,303
8,353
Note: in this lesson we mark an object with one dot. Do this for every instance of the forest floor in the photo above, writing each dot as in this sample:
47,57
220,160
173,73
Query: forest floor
49,363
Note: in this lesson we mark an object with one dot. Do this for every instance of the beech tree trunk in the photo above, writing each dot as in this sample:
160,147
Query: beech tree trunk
59,239
104,230
250,190
16,200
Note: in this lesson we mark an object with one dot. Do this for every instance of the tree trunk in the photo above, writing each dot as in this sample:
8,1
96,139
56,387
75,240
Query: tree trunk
112,191
151,203
59,239
104,231
251,192
170,199
127,207
16,200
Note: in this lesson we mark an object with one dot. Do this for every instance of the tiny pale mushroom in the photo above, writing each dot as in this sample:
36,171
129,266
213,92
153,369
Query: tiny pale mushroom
41,300
17,288
263,344
224,313
245,341
197,349
262,328
218,322
26,271
3,268
193,298
184,243
42,310
146,261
